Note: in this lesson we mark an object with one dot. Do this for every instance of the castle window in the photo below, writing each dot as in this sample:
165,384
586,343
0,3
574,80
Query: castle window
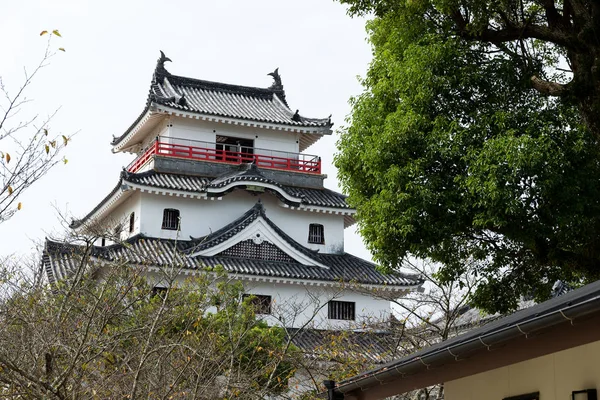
260,302
345,310
170,219
234,149
158,291
316,234
131,222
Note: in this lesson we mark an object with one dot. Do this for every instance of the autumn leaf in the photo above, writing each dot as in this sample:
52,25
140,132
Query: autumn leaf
61,49
45,131
10,190
42,33
65,161
47,148
53,143
55,32
19,206
65,140
7,158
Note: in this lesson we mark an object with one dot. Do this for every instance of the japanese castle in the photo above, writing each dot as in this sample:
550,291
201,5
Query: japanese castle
220,177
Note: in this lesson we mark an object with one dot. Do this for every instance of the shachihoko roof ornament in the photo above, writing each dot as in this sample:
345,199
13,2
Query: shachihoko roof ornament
257,106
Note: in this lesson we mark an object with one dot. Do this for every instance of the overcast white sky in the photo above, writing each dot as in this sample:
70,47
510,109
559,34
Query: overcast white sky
102,80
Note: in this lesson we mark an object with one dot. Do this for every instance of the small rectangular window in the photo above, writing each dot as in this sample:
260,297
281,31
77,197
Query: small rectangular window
170,219
345,310
158,291
261,303
316,234
528,396
131,222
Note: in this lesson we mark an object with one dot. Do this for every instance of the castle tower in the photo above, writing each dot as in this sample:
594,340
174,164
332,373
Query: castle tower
221,175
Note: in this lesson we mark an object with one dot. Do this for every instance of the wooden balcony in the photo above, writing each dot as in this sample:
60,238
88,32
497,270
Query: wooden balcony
228,154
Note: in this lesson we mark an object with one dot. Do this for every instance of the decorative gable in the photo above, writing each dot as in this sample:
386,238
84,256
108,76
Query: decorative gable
257,250
254,226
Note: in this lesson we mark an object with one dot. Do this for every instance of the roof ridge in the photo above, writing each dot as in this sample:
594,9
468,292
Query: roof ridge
248,217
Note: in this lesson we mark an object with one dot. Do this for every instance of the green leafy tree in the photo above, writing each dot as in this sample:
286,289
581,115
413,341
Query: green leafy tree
107,332
475,141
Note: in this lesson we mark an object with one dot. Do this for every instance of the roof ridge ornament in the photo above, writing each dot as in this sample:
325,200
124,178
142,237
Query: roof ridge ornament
160,72
277,86
296,116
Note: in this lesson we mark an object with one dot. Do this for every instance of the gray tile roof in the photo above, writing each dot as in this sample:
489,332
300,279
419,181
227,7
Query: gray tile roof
158,252
267,105
197,184
229,230
241,223
243,172
310,196
375,347
204,97
184,183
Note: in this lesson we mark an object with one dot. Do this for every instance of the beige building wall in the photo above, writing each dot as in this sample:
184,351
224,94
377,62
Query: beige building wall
554,375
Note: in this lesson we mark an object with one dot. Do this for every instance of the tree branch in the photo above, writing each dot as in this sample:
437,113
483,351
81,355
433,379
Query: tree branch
548,88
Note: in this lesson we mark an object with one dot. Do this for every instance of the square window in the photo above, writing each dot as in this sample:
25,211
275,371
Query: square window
344,310
170,219
261,303
316,234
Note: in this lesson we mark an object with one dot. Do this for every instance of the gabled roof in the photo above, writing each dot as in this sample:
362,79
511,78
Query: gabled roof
267,105
231,234
61,260
245,175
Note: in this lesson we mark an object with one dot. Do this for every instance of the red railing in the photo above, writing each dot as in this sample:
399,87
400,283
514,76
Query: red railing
276,160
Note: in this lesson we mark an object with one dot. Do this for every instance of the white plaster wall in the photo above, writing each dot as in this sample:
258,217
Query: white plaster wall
296,305
120,216
160,130
200,217
304,304
193,129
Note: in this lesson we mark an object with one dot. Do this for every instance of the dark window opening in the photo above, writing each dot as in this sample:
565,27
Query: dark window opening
316,234
260,302
131,222
345,310
170,219
159,291
528,396
234,149
103,242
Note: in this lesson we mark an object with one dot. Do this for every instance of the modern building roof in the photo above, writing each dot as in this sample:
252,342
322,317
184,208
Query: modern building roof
245,175
530,321
195,96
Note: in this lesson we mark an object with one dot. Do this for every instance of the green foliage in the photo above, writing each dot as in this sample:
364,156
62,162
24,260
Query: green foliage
451,155
117,338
